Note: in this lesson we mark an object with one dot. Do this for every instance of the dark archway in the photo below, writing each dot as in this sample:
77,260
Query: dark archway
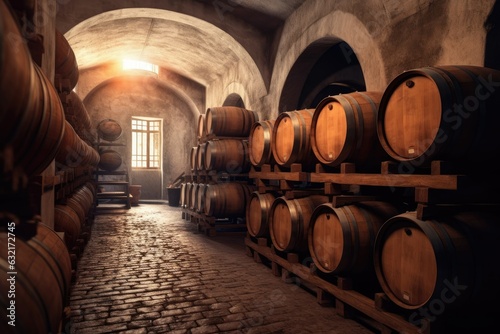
326,67
234,100
492,46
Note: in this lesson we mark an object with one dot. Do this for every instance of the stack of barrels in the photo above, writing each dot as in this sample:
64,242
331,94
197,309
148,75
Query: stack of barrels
32,122
76,148
222,150
42,280
434,113
34,132
110,131
73,216
73,213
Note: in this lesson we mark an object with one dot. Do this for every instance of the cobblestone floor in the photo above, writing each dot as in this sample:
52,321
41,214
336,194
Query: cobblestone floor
149,271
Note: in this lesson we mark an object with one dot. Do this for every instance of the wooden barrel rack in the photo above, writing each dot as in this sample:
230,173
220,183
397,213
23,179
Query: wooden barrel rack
219,157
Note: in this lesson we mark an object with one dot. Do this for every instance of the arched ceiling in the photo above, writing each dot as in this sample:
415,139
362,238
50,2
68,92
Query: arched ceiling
198,39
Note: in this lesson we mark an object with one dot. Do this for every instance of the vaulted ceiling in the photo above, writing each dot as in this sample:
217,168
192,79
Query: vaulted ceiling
199,39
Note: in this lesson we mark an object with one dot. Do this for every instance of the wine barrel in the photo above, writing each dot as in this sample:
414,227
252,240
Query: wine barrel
187,193
66,66
201,126
110,160
446,260
259,143
77,115
21,95
193,156
109,129
183,195
41,146
39,121
31,117
71,150
66,220
229,121
441,113
200,157
194,196
41,281
289,221
200,197
47,243
257,213
344,129
227,200
227,155
291,138
81,202
341,239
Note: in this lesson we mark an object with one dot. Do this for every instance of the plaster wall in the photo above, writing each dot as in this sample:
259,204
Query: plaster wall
121,98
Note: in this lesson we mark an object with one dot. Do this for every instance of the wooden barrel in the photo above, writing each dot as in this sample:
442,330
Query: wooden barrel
441,113
201,126
39,122
227,200
109,129
42,145
257,213
79,204
18,96
187,193
289,221
291,138
66,220
77,115
450,258
81,201
200,197
191,195
40,282
344,129
47,243
194,196
109,160
341,239
229,121
66,66
89,190
183,195
193,156
227,155
259,143
90,156
71,150
200,157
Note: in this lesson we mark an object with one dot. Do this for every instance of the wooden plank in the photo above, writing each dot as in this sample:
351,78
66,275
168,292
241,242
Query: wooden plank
451,182
289,176
353,298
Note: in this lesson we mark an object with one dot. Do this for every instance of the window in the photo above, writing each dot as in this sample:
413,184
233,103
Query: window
146,143
130,64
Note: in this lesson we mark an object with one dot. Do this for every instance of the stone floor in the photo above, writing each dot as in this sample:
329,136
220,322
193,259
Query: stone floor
147,270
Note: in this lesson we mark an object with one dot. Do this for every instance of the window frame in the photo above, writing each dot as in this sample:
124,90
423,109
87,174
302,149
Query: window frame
153,126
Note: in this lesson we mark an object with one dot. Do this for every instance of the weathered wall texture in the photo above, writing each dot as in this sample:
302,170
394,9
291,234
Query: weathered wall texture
122,97
387,36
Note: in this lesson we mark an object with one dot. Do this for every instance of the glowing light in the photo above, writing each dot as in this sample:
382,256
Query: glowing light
131,64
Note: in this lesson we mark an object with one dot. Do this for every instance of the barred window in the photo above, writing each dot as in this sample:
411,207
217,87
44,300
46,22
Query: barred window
146,143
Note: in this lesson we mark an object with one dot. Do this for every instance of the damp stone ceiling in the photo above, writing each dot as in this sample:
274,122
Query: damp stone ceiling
198,39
